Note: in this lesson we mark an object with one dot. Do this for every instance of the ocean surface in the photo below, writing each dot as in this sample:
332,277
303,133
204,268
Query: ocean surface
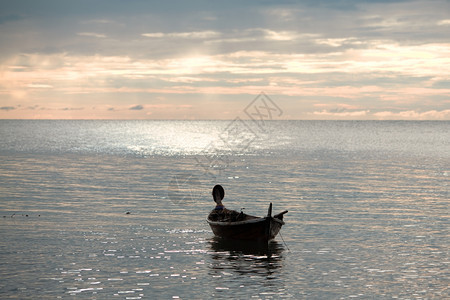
117,209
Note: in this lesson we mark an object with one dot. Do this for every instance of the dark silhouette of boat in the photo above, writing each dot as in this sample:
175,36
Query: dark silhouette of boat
247,227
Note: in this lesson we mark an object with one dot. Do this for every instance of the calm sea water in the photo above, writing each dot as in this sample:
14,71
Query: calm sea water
116,209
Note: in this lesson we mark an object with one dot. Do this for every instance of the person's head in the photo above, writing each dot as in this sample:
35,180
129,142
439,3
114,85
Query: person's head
218,193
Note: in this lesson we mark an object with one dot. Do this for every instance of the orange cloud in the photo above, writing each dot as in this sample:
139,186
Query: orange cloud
411,114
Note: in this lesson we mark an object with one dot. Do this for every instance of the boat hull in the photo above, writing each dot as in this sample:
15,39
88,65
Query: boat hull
259,229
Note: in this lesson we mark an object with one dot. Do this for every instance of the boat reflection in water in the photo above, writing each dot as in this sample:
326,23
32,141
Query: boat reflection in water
231,257
269,250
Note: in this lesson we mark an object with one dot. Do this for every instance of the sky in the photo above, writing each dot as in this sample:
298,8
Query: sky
315,59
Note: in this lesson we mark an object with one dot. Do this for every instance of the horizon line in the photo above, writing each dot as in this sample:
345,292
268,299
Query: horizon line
244,119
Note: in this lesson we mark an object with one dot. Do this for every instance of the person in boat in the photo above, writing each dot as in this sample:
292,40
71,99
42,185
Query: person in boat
220,213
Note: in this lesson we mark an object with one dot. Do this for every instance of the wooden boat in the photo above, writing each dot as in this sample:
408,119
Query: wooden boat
247,227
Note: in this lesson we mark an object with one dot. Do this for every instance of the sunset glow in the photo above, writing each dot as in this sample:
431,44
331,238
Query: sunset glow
359,61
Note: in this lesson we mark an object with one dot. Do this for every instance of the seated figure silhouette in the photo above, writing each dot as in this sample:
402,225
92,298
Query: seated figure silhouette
220,213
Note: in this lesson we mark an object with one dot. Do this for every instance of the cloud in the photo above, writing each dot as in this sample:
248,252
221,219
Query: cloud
352,114
184,35
39,86
7,108
344,59
444,22
97,21
385,115
154,35
136,107
91,34
9,18
280,35
71,108
415,115
337,106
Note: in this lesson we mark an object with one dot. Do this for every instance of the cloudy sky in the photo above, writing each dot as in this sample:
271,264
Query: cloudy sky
316,59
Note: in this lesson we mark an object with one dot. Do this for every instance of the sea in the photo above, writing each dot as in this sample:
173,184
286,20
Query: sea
93,209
